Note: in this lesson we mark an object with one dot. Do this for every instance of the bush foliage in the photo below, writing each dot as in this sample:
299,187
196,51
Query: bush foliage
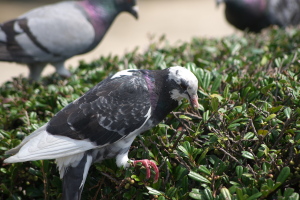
243,143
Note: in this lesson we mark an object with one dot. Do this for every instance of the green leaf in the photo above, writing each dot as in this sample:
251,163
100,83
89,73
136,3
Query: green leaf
248,155
153,191
239,193
4,189
216,84
171,191
208,194
249,135
161,198
233,126
288,192
184,150
206,80
283,175
272,116
163,125
287,111
180,172
185,117
226,194
275,109
294,196
226,91
3,170
195,194
254,196
239,171
203,169
203,154
262,132
205,116
215,104
198,177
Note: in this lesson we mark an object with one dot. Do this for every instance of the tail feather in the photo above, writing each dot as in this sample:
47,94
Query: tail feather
29,137
74,178
41,145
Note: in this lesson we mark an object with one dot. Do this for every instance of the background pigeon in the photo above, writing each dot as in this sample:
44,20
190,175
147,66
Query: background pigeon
54,33
104,122
254,15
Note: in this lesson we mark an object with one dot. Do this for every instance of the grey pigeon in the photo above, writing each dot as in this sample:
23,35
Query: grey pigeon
255,15
54,33
103,123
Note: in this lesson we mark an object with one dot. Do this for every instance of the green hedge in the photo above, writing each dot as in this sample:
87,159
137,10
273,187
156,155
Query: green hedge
244,142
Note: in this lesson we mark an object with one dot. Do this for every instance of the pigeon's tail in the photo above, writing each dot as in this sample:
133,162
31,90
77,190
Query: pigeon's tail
16,150
41,145
74,178
4,53
10,50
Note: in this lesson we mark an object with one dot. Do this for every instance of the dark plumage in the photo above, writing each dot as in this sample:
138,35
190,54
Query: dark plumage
104,122
54,33
255,15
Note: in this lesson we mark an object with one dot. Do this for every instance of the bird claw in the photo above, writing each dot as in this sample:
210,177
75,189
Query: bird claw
147,164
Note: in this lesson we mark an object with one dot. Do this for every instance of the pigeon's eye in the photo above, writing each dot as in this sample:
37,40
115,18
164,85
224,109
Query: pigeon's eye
183,86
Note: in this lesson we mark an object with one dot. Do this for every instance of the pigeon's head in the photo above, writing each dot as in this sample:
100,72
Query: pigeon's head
129,6
184,85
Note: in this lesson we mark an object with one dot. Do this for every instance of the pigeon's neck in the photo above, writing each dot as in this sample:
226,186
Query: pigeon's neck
253,8
101,16
247,14
159,93
106,11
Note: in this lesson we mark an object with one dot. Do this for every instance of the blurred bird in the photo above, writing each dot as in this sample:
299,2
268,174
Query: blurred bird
104,122
255,15
54,33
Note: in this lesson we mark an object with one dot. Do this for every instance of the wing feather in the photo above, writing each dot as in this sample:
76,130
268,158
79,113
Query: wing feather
41,145
111,110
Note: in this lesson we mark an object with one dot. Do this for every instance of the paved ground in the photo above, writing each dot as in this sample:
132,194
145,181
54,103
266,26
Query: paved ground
180,20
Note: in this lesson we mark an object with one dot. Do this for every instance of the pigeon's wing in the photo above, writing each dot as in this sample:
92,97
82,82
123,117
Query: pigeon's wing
112,110
50,33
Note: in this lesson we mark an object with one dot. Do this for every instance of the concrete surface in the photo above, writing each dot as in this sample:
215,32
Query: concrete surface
179,20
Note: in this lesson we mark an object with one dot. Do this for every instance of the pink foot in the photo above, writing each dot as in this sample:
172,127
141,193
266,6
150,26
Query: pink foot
147,164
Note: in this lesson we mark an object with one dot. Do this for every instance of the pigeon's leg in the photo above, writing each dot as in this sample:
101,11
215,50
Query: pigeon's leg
147,164
60,69
74,178
35,70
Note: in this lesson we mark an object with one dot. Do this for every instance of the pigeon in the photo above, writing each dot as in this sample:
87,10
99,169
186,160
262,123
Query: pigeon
103,123
54,33
255,15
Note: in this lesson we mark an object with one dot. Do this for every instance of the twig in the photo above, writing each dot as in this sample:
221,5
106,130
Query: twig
100,182
181,161
287,122
236,160
111,178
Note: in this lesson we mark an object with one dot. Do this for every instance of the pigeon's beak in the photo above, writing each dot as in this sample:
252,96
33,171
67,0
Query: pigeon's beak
135,11
194,101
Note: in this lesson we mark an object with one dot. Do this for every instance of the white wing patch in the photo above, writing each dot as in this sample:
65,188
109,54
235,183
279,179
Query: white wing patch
87,166
64,162
123,73
46,146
